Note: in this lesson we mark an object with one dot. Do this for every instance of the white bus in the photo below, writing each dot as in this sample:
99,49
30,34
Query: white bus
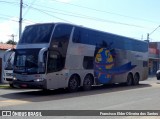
60,55
8,69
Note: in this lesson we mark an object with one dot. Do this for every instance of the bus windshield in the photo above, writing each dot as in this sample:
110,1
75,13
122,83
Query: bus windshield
40,33
26,61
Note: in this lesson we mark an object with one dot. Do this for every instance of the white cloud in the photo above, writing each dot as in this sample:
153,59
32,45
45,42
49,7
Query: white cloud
8,28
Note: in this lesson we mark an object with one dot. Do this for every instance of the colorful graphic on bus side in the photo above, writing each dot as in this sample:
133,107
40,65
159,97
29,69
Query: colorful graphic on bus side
104,65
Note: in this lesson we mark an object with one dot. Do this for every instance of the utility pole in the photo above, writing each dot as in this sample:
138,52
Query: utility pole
20,19
13,36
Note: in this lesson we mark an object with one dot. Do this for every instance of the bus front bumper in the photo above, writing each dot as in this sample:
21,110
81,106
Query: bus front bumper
29,85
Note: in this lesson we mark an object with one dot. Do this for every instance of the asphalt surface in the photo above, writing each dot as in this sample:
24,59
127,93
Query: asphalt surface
145,96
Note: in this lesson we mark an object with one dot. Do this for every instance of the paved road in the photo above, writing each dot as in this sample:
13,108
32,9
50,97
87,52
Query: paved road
145,96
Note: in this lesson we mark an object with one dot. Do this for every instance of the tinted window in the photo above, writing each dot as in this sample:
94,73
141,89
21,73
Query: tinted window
62,33
90,37
88,62
37,34
26,61
55,62
107,40
9,63
60,38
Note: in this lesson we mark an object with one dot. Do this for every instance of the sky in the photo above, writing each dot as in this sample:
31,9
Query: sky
130,18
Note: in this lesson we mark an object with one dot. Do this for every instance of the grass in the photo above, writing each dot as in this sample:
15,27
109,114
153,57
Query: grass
4,86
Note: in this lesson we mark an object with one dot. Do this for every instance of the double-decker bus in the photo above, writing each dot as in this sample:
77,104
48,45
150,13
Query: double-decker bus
61,55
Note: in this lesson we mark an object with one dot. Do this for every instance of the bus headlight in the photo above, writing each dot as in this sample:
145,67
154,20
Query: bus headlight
38,79
14,78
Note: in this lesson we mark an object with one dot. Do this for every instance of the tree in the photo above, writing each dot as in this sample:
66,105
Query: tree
11,42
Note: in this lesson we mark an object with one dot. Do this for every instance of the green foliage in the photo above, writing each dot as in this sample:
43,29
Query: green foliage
11,42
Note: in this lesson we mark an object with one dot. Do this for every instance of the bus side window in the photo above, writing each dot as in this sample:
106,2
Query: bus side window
55,62
88,62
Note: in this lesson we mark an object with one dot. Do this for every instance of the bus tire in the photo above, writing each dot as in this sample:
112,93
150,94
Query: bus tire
136,79
88,82
11,85
73,83
129,81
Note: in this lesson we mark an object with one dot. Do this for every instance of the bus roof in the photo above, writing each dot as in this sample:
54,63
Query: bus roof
80,26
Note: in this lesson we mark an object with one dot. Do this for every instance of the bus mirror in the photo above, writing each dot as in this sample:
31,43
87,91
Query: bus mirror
40,55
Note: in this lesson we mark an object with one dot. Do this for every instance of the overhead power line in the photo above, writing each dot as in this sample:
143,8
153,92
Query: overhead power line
29,7
107,12
6,2
4,15
148,34
42,11
85,17
8,19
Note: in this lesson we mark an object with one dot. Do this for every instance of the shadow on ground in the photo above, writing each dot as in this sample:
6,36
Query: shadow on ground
40,95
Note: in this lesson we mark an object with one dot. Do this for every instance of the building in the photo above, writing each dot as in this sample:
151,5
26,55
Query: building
154,57
3,48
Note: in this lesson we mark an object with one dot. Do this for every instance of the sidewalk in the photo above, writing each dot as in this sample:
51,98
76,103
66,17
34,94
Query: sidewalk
152,77
4,84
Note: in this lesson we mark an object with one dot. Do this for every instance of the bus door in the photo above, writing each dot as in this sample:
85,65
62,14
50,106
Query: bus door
55,76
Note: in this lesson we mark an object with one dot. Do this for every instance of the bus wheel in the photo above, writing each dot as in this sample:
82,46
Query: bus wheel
87,83
129,79
136,79
73,83
11,85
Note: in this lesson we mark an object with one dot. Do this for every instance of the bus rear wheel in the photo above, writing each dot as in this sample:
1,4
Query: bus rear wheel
73,83
136,79
129,80
88,82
